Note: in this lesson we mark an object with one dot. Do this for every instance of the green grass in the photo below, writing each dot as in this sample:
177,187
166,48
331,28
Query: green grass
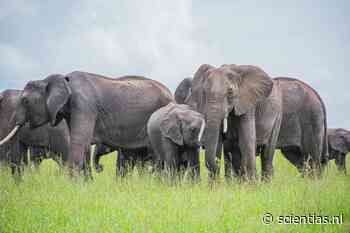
47,201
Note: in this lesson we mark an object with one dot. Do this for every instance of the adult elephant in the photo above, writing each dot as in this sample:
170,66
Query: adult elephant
339,146
233,99
98,109
303,134
46,138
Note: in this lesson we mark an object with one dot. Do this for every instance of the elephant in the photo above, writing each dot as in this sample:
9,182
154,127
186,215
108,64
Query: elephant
338,146
97,109
233,100
39,141
174,132
303,133
127,158
279,121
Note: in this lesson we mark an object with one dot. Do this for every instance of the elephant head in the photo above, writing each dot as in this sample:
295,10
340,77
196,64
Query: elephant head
8,103
339,140
218,92
41,102
183,126
183,91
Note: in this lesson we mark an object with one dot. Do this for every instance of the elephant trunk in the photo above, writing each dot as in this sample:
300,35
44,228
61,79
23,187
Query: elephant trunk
212,142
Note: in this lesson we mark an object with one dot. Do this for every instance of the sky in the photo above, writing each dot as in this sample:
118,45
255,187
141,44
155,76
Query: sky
167,40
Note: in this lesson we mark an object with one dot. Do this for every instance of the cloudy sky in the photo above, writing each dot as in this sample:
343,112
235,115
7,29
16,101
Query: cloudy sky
167,40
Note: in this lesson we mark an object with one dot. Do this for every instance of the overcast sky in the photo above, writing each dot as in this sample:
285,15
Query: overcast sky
168,40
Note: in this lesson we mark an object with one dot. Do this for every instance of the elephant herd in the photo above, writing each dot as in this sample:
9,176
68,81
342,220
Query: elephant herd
237,109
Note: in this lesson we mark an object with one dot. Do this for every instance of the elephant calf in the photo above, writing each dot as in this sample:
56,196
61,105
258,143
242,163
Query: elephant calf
338,146
174,132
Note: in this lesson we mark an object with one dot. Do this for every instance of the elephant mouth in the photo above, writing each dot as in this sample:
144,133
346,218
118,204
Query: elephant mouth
33,122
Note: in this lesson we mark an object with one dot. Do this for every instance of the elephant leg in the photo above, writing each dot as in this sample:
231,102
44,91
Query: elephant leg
17,153
99,151
171,158
193,164
228,157
87,169
36,156
236,161
121,164
25,158
247,145
82,129
340,161
267,163
294,156
315,161
268,151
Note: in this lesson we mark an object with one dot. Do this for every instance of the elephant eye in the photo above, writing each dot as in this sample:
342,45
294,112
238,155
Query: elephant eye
25,101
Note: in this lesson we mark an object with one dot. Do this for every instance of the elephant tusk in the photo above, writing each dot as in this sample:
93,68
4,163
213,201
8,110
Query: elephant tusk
201,130
225,125
10,135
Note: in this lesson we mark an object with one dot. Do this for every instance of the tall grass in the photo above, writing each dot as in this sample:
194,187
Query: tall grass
48,201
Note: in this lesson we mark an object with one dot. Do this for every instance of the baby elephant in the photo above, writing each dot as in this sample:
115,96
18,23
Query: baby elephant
175,132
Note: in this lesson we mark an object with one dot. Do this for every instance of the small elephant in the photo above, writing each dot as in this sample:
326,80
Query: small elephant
338,146
175,132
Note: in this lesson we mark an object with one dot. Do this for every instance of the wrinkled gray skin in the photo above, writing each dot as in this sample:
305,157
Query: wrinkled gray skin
235,92
97,109
173,133
127,158
339,146
300,107
54,140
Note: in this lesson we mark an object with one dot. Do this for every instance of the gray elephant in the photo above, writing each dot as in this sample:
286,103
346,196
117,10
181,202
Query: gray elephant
97,109
46,138
290,110
233,100
174,132
303,134
339,146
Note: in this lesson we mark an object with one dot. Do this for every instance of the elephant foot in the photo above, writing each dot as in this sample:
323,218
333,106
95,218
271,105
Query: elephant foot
98,168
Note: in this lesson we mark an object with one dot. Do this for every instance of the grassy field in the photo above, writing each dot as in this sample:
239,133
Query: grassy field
47,201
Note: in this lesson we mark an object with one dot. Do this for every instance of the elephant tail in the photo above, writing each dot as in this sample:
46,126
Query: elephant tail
325,152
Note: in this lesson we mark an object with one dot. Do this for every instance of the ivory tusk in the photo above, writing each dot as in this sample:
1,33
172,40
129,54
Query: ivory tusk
10,135
225,125
201,130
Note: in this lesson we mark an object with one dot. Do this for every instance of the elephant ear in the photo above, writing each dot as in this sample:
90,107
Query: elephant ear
58,93
1,97
202,70
337,142
254,86
171,128
183,91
